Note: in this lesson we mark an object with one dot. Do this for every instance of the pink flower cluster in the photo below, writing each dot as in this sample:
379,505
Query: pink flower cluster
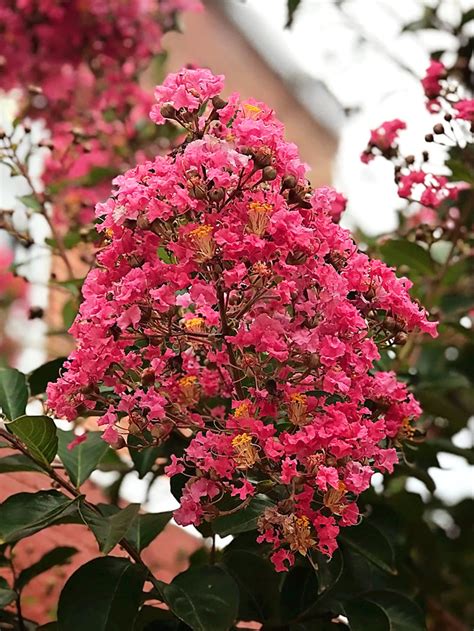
229,308
429,189
383,140
414,180
78,65
441,94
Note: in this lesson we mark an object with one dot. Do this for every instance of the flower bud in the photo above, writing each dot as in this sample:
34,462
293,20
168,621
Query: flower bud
263,157
148,377
216,194
401,338
269,174
168,111
289,181
218,102
143,222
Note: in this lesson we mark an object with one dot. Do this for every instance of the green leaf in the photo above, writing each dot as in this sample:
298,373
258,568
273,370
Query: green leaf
241,521
292,6
299,591
38,434
31,201
403,613
23,514
18,462
155,619
57,556
364,615
83,459
146,528
399,252
143,458
103,595
205,598
7,595
13,393
460,171
368,541
258,585
45,374
467,17
109,530
69,313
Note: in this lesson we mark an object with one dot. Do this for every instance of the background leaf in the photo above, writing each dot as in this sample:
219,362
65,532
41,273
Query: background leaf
110,529
18,462
83,459
102,595
146,528
56,556
23,514
368,541
38,433
41,376
397,252
242,520
206,598
13,392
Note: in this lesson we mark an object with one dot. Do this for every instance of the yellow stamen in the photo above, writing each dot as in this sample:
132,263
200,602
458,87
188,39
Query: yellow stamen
240,411
246,454
195,325
189,387
259,216
251,111
298,409
203,243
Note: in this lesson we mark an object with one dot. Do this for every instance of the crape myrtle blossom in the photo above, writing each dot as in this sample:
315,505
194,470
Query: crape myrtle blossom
414,178
77,65
229,308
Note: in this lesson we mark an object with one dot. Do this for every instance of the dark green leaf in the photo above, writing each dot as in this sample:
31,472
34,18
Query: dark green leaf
292,6
83,459
38,434
57,556
69,313
403,613
467,17
7,595
242,520
399,252
143,458
146,528
45,374
155,619
13,393
110,529
299,591
18,462
364,615
258,585
205,598
23,514
102,595
368,541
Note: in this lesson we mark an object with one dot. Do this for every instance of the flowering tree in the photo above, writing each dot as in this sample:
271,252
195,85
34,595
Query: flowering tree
233,337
